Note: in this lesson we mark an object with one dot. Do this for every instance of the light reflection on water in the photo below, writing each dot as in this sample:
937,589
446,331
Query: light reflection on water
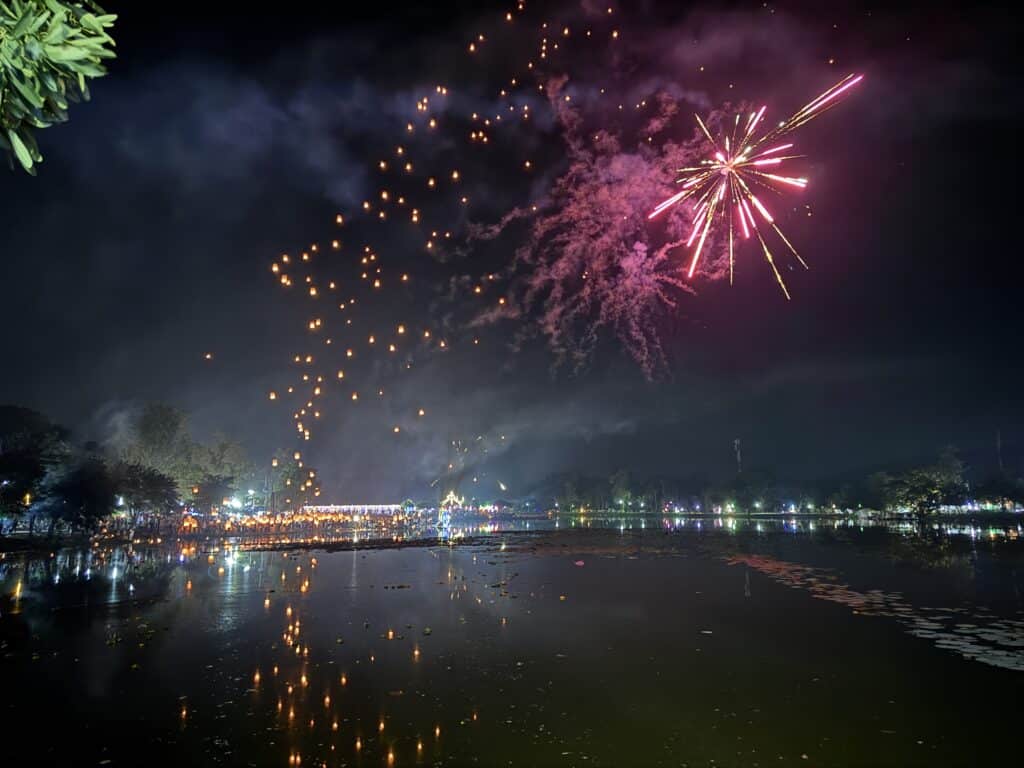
614,641
117,563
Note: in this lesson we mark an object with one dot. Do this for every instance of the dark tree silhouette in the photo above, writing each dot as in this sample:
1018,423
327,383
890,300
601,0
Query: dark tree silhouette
144,489
84,495
30,446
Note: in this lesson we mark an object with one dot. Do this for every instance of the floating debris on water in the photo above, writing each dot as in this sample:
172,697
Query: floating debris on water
998,642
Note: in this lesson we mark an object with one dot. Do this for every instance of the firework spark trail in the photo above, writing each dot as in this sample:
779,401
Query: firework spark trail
722,185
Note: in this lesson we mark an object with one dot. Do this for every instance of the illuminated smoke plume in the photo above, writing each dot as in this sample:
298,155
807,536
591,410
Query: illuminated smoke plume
591,262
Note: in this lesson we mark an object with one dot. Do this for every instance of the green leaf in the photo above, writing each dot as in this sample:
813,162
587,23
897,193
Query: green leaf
88,68
90,22
62,53
39,21
47,79
33,49
20,150
29,94
58,31
23,24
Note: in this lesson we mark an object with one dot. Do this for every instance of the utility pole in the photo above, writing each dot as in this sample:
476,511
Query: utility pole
999,450
739,456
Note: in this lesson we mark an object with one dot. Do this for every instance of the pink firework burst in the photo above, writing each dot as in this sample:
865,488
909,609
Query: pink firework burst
587,264
722,188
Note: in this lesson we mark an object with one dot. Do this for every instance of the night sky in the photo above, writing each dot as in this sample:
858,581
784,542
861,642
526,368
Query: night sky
223,138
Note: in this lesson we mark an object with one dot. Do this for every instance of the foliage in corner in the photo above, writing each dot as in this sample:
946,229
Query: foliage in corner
48,51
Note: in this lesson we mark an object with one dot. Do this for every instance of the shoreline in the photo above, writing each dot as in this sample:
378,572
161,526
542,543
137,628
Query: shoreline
19,544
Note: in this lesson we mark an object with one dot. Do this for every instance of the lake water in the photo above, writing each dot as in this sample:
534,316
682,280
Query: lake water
675,642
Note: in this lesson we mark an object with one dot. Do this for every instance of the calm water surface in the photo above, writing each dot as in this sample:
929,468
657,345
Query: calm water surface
599,643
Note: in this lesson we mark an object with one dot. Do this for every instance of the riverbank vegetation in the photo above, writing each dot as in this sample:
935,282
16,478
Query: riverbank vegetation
51,483
945,484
